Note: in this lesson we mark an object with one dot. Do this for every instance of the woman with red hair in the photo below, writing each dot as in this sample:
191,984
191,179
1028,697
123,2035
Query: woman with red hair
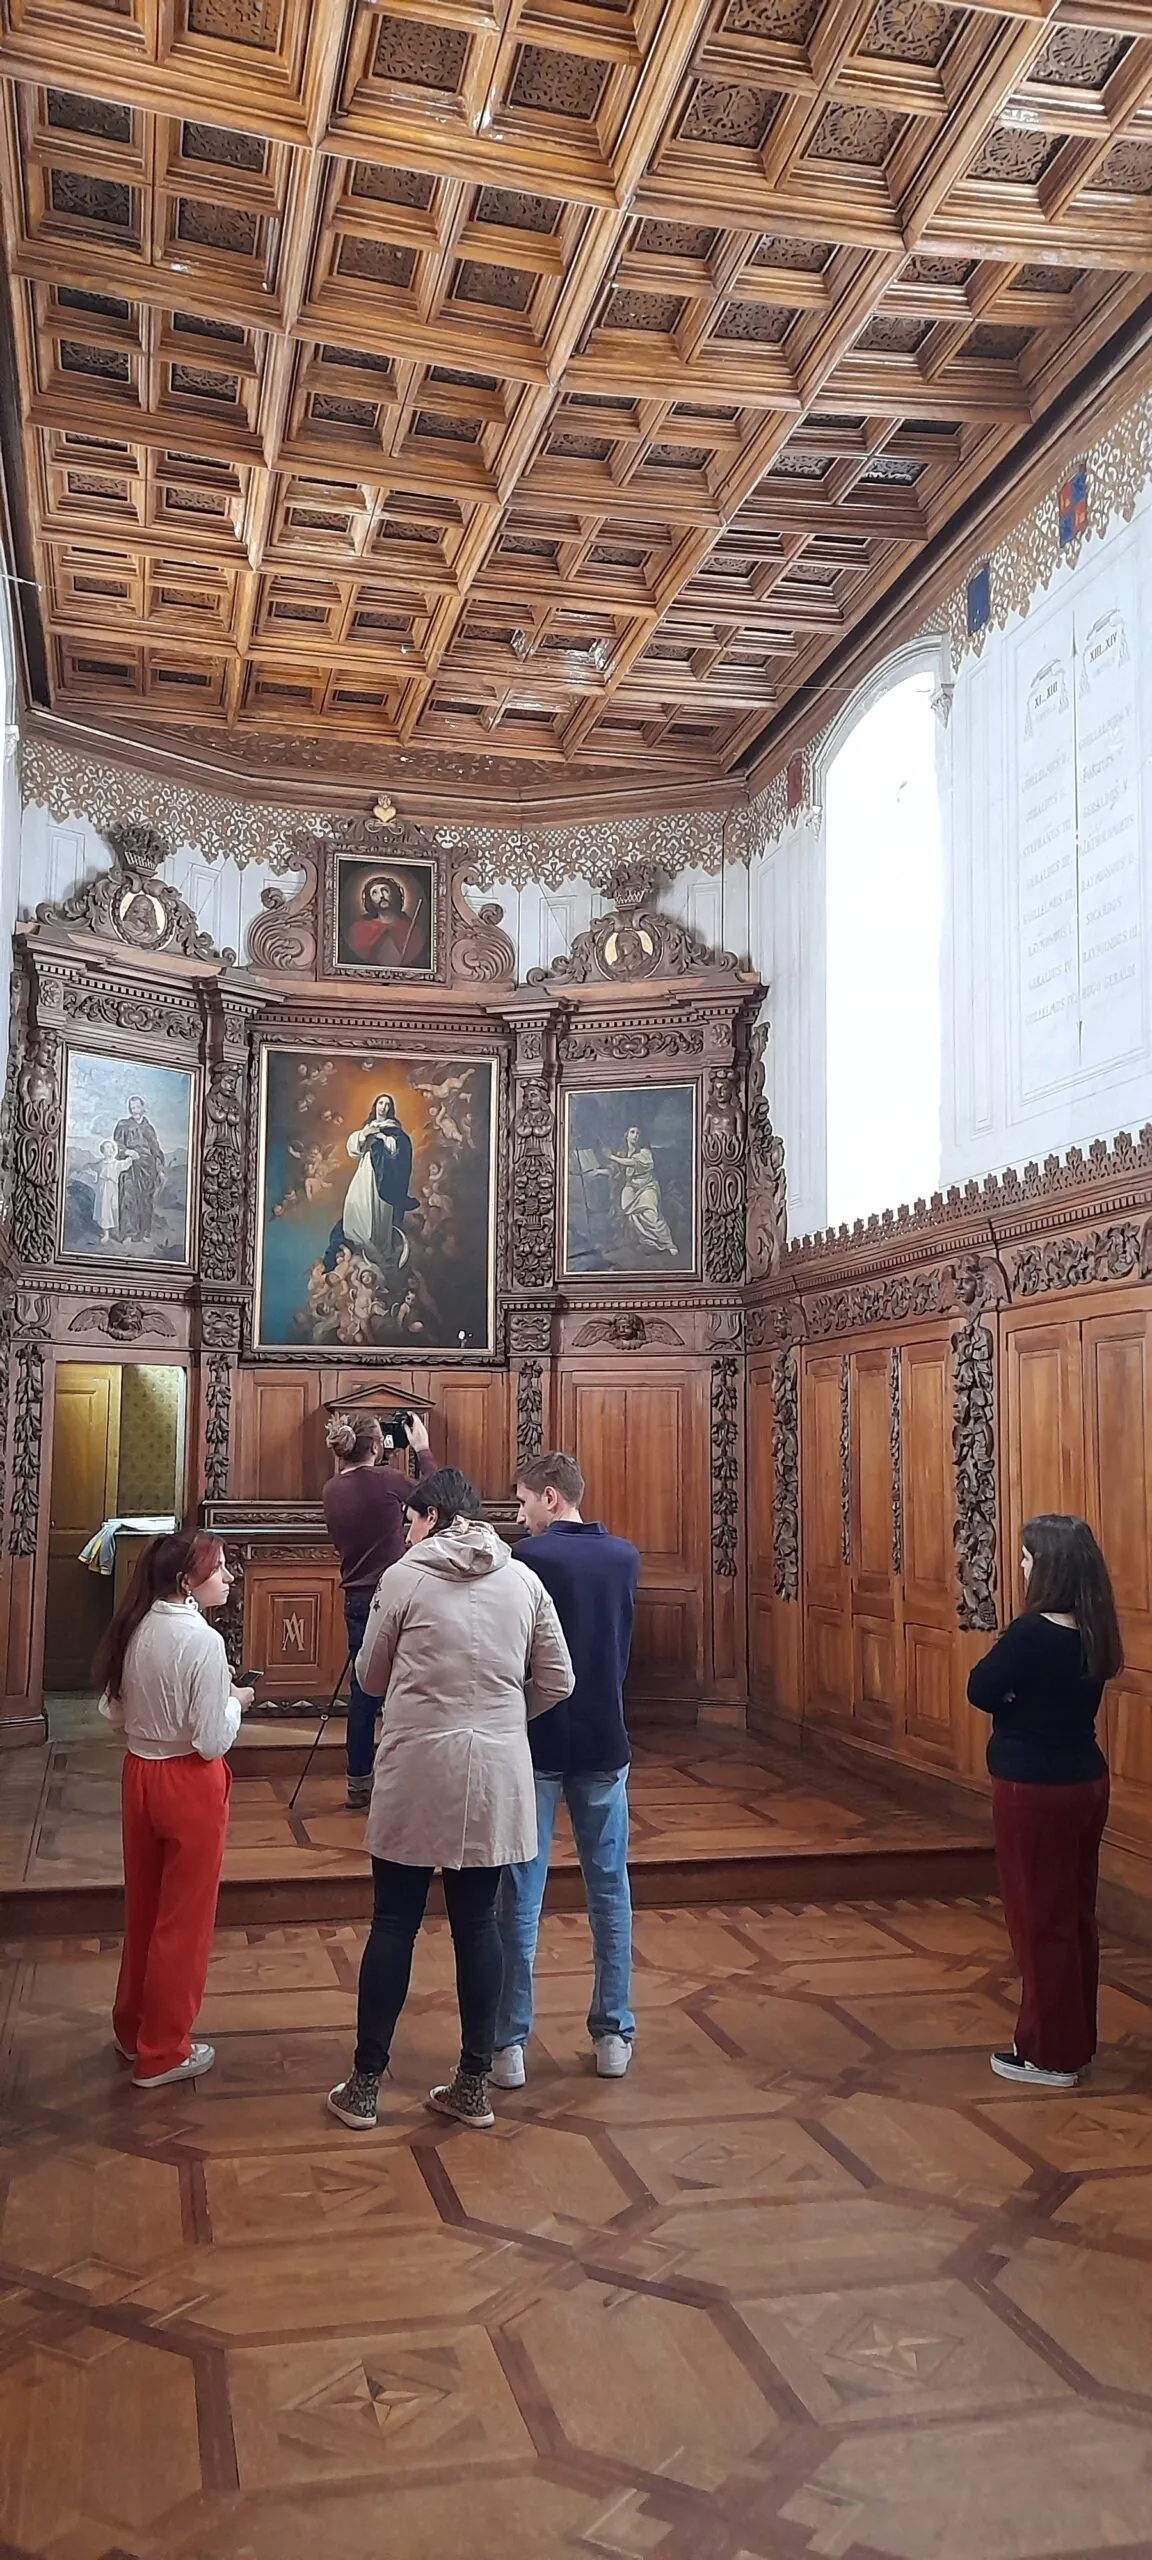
168,1690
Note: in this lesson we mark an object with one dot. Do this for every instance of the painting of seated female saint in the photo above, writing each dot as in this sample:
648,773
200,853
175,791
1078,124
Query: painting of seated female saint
376,1209
384,916
127,1148
630,1180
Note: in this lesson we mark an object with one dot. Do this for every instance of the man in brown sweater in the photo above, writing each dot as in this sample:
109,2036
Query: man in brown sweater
364,1510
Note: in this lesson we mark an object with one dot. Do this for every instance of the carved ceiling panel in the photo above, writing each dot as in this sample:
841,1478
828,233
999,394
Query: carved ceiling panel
553,383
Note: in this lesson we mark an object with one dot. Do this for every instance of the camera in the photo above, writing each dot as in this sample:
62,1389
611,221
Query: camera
395,1430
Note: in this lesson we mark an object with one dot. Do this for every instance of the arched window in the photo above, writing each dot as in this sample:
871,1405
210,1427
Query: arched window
884,872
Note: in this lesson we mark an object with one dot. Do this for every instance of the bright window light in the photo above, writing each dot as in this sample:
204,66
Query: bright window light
884,876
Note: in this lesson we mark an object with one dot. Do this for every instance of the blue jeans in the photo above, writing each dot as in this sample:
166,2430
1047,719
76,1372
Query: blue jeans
362,1710
599,1810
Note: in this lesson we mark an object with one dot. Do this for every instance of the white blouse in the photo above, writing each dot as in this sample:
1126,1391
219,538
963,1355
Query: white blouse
176,1694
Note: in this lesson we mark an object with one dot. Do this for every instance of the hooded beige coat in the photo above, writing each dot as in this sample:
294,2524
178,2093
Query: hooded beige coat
463,1644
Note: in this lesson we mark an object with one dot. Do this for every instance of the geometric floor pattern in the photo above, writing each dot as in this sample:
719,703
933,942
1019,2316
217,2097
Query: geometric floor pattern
808,2282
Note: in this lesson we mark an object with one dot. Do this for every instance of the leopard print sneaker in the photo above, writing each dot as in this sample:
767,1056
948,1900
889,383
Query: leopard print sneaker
466,2098
355,2100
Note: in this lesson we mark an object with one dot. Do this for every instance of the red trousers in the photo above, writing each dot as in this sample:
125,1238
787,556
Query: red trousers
175,1820
1048,1854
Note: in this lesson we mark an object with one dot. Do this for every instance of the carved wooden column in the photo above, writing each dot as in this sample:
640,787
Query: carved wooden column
531,1224
223,1240
28,1365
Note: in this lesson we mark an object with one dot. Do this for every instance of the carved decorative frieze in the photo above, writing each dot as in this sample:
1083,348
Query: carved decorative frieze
125,1320
725,1468
628,1332
785,1476
895,1301
5,1386
529,1411
283,936
896,1436
36,1156
660,1040
999,1196
27,1442
974,1456
766,1179
217,1426
1119,467
222,1174
846,1459
1122,1251
112,1010
529,1329
132,905
722,1157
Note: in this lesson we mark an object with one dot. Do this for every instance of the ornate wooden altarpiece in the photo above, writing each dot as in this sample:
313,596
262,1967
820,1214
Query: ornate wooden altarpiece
122,970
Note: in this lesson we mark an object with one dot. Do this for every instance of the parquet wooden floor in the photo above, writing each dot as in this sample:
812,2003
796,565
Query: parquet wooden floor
808,2285
706,1805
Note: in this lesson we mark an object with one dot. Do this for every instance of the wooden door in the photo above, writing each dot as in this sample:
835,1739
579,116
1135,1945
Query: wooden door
643,1446
85,1463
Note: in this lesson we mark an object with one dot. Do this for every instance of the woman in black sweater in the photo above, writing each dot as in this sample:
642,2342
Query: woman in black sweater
1042,1684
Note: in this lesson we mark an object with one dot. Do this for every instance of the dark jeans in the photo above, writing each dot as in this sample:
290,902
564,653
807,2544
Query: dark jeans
362,1710
399,1896
1048,1854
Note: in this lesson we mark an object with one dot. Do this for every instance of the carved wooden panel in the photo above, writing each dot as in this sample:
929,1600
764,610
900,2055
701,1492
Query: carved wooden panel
821,1476
876,1676
470,1428
872,1478
1044,1419
294,1625
644,1449
278,1443
929,1496
930,1654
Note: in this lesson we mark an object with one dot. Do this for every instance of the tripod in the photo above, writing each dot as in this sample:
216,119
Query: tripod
320,1729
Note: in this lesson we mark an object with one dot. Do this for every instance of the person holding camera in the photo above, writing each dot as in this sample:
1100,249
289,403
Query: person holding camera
364,1510
464,1644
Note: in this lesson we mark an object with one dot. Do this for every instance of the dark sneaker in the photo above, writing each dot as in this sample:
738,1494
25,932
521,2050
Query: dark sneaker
355,2100
465,2097
1012,2066
359,1795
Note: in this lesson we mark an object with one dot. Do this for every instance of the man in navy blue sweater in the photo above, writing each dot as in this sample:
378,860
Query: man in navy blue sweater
580,1751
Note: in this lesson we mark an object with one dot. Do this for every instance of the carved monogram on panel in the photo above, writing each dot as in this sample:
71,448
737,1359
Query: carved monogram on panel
974,1456
785,1477
130,904
725,1468
767,1184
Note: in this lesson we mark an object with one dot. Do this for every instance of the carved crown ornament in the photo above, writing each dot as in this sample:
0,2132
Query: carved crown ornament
131,905
633,942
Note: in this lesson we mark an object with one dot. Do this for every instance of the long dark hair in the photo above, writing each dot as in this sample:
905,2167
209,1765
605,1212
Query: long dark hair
1070,1578
168,1569
448,1494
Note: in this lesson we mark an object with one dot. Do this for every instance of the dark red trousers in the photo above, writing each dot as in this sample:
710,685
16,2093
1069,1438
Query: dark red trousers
1048,1854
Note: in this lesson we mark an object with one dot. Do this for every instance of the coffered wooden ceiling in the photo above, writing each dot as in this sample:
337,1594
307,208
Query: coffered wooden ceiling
549,383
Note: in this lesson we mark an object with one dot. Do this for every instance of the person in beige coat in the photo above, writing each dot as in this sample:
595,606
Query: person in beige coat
463,1645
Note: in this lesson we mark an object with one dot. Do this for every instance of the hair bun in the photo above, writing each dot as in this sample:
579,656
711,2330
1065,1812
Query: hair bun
341,1437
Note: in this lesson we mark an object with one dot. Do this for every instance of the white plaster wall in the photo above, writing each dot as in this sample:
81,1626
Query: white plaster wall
1047,1020
786,947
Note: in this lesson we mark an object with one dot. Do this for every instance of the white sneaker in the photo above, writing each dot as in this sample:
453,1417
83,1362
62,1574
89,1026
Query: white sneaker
613,2055
199,2060
507,2070
1012,2066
